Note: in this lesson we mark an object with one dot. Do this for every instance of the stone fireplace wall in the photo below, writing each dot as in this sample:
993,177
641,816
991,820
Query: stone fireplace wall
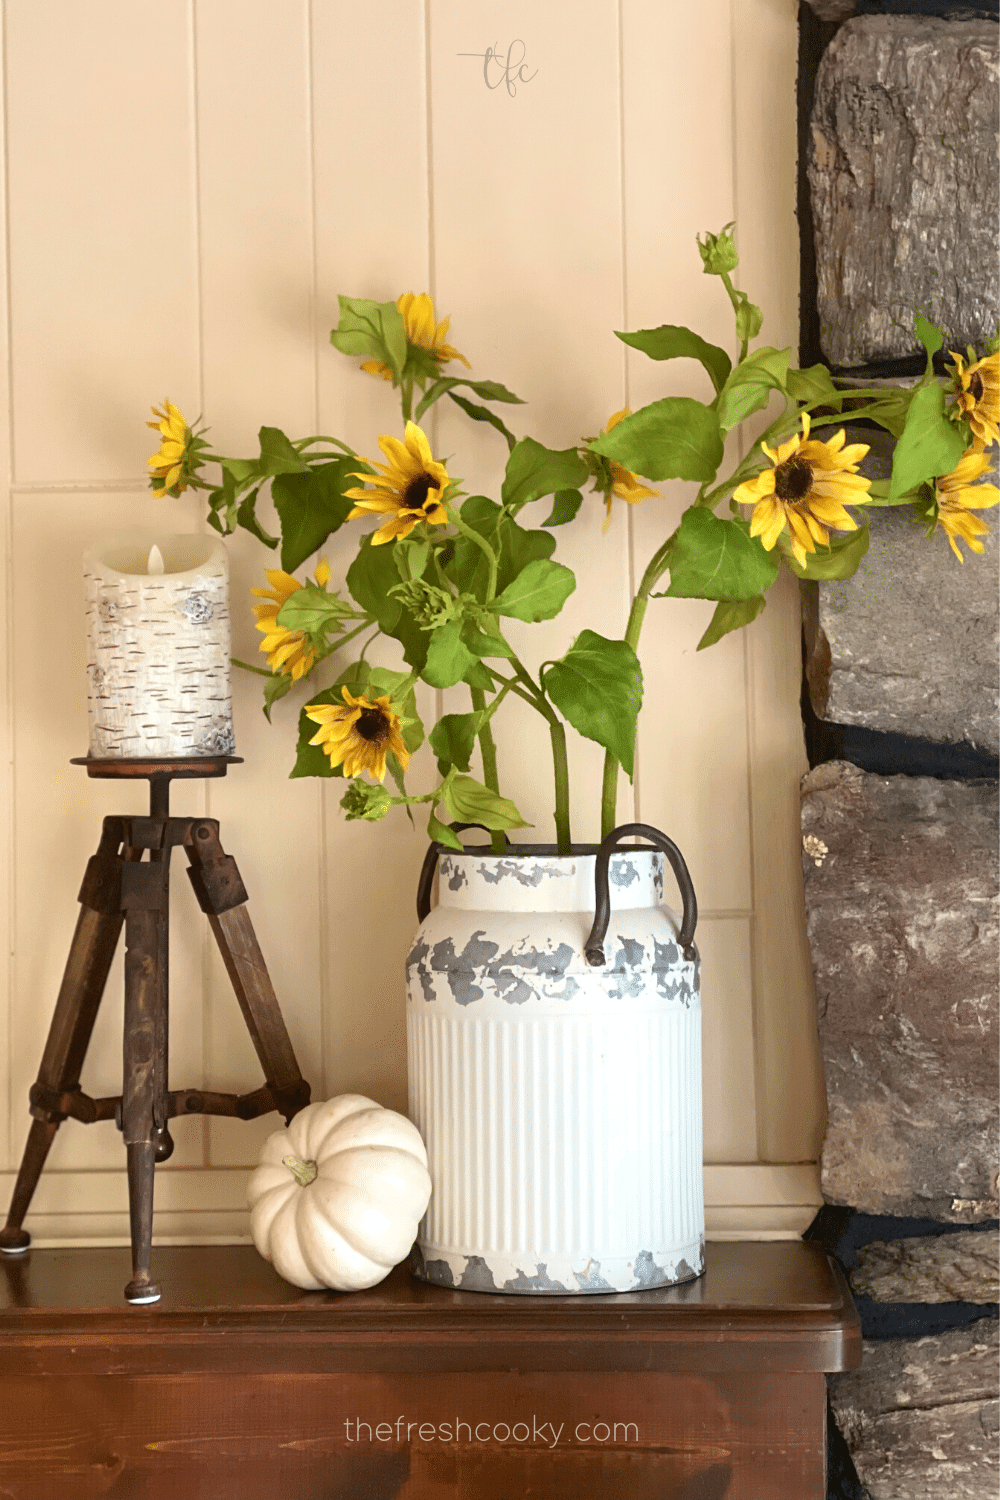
899,213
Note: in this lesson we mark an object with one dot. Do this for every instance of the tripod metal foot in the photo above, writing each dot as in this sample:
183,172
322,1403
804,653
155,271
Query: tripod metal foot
14,1241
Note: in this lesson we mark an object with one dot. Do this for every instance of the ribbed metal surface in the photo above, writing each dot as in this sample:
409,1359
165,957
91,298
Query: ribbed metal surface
559,1134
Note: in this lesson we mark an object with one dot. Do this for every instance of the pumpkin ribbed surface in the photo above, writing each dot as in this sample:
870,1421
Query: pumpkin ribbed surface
347,1227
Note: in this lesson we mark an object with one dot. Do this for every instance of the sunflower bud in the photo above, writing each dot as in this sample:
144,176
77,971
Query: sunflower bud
718,252
362,800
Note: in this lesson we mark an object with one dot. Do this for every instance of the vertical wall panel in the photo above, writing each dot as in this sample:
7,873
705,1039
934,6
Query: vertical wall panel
101,231
678,184
527,260
370,135
790,1091
256,242
7,869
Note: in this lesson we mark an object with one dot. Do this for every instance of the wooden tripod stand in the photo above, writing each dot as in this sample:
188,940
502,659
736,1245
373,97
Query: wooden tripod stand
120,887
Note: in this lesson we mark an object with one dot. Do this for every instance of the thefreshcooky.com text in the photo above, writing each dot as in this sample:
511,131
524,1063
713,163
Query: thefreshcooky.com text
547,1434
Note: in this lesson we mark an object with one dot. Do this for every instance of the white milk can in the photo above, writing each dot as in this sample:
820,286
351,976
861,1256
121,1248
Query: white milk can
554,1043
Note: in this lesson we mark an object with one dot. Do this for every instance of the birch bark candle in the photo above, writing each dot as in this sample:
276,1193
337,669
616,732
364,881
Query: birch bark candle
158,647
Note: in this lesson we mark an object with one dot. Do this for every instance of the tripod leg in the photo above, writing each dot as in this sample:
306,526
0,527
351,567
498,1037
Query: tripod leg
223,897
91,951
144,899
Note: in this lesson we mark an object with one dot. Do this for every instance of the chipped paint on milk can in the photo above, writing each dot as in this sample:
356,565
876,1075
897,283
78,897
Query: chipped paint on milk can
560,1102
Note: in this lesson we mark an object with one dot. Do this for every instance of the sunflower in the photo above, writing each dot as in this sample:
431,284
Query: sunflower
175,464
806,489
358,734
421,329
288,651
409,488
978,389
626,486
958,495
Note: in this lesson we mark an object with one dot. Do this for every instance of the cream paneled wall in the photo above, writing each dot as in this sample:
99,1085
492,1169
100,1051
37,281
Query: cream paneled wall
189,185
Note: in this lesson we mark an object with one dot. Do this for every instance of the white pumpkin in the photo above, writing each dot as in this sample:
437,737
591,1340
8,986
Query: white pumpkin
338,1196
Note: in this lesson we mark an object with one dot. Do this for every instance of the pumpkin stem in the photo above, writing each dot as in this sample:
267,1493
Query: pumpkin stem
304,1172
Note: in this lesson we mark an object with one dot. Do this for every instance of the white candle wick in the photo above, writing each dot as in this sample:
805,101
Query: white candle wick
154,563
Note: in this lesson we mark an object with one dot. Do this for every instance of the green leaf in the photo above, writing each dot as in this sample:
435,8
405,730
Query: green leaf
842,559
313,610
717,559
930,445
750,385
311,506
538,592
277,455
448,658
468,801
813,387
534,471
370,577
931,337
467,567
676,438
246,515
480,676
440,833
411,558
280,684
453,740
597,687
481,644
673,341
731,615
483,414
749,317
565,505
488,390
371,330
241,469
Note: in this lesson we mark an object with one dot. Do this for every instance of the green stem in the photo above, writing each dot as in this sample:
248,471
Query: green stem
323,437
406,397
304,1172
734,299
488,751
247,667
482,544
564,839
655,569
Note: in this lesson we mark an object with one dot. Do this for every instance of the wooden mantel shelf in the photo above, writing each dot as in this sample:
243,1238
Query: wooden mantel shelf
237,1384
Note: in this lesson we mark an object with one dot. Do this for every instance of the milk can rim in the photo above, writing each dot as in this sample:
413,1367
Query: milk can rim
545,851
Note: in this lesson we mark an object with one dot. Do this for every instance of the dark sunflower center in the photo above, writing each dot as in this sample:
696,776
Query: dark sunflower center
793,478
373,725
417,491
976,386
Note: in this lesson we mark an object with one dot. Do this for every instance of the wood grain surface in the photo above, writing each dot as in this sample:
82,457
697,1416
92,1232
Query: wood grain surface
238,1384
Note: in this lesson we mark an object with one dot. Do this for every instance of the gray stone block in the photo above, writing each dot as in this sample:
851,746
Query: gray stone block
903,172
959,1267
920,1415
909,643
900,886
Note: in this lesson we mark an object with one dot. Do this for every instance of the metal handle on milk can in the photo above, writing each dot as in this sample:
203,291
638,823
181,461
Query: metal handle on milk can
594,950
426,882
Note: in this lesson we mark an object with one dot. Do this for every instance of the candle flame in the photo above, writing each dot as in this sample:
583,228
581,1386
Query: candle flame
154,563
